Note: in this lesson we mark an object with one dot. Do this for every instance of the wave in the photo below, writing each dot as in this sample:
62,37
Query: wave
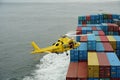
51,67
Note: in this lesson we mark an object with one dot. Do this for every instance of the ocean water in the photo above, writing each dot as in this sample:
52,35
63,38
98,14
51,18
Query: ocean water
44,23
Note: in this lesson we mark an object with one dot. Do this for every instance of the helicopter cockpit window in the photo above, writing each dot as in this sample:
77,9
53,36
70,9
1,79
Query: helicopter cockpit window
58,40
57,44
53,44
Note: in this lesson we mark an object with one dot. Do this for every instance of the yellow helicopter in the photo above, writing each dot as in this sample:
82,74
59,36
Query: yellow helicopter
63,44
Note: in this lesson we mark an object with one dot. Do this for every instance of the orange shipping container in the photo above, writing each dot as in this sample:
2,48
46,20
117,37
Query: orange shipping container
72,71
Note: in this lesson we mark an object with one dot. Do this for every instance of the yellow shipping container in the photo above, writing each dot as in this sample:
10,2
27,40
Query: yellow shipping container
93,65
112,41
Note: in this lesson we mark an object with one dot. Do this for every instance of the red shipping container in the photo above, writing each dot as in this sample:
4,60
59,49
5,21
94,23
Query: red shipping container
88,17
108,47
82,70
115,79
110,16
72,71
104,65
116,28
101,33
94,28
104,39
83,38
79,30
84,22
110,27
119,30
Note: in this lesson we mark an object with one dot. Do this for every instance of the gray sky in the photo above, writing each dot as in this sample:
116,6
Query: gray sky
56,0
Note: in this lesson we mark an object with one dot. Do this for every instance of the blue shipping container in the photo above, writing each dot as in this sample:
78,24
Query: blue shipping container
96,33
99,47
74,55
115,65
117,38
82,51
91,42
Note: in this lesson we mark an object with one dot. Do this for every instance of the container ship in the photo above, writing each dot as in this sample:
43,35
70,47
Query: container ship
98,56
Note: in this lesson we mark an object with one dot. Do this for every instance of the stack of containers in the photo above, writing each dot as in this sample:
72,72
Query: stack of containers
74,55
97,19
117,38
93,65
91,42
102,63
72,71
82,52
104,68
112,41
115,65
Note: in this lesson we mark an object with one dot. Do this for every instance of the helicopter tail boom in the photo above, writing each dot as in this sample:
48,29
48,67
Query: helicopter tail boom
35,46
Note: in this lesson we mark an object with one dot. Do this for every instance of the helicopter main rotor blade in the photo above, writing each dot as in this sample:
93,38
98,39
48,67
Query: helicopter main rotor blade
73,34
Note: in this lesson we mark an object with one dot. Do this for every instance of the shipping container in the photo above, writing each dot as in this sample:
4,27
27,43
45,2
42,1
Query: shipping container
84,30
104,65
82,70
112,41
93,78
101,33
104,78
98,38
74,55
110,27
91,42
83,39
98,28
99,47
82,52
115,65
94,28
117,38
115,79
96,33
104,39
72,71
93,65
107,47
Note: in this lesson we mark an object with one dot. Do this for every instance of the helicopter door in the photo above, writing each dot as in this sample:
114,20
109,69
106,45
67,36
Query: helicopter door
71,44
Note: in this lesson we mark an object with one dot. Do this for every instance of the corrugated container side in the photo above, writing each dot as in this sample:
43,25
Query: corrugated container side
96,33
72,71
104,39
91,42
101,33
84,30
89,30
94,28
112,41
115,79
98,38
115,65
83,39
98,28
108,47
117,38
99,47
118,53
82,71
116,28
104,67
110,27
82,52
93,65
93,78
74,55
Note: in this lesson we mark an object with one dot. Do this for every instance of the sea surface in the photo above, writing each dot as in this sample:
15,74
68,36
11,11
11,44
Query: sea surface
44,23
